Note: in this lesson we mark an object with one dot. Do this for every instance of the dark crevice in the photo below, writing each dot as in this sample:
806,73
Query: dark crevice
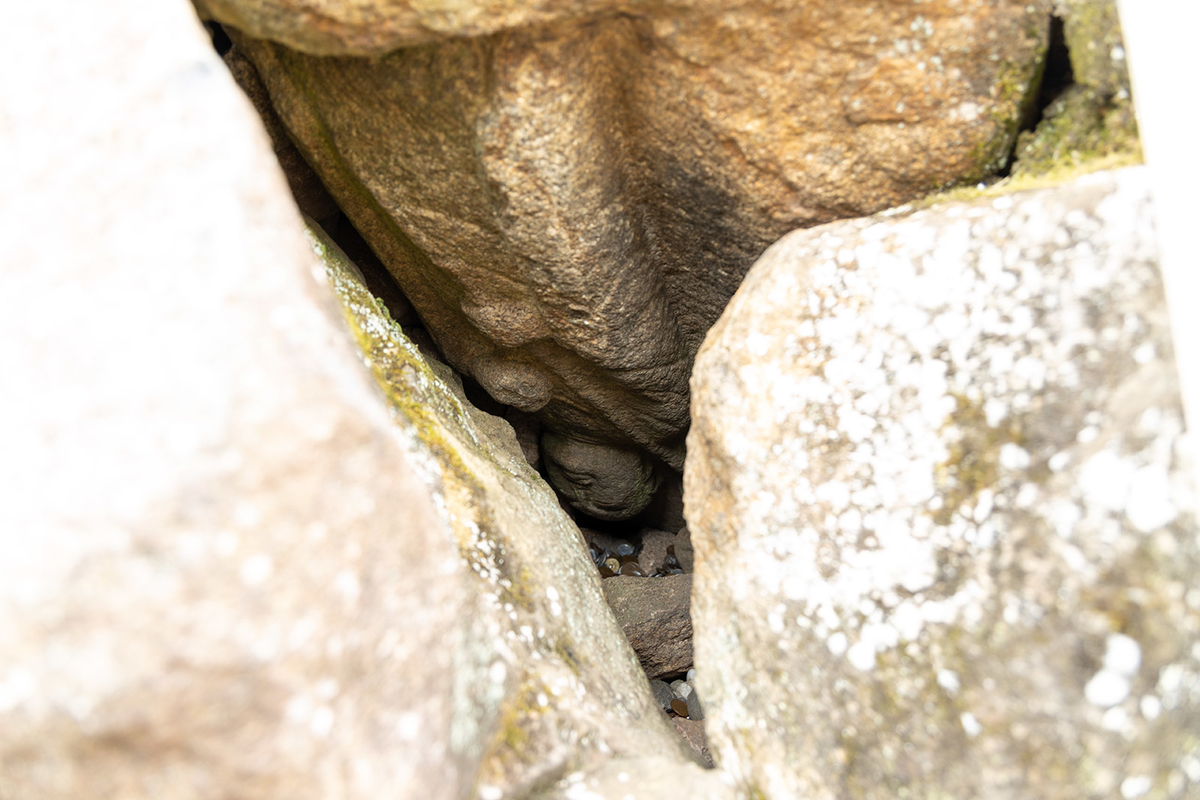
1057,76
220,39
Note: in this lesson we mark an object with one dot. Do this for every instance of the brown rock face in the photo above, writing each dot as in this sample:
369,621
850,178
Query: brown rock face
570,205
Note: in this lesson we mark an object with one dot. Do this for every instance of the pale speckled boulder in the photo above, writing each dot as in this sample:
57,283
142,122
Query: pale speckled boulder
569,205
946,547
230,565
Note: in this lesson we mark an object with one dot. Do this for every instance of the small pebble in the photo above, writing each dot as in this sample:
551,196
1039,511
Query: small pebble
679,707
662,693
675,687
691,675
692,702
684,690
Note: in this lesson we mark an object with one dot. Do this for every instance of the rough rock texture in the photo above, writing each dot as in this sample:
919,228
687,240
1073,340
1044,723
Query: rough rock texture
1093,116
947,546
655,615
570,205
229,564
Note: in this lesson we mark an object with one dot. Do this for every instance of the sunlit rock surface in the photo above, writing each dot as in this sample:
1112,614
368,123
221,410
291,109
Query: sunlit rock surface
570,204
937,484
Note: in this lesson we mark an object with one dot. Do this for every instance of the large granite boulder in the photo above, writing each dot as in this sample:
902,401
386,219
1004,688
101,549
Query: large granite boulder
946,542
230,564
570,204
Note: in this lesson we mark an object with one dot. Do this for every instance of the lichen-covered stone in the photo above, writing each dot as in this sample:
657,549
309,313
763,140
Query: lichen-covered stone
570,205
231,563
947,544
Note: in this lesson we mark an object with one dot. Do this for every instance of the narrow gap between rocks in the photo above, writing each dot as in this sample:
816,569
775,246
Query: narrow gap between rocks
1057,77
653,544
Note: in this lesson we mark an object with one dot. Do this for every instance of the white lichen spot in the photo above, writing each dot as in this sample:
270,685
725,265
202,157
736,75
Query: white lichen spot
1136,786
1122,654
346,584
553,597
970,724
861,656
257,569
1014,457
408,727
758,344
948,680
775,618
1149,506
1115,719
1105,479
322,721
1106,688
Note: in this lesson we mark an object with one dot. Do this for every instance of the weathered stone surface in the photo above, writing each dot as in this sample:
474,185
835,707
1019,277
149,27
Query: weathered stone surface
229,564
946,547
655,615
569,206
1093,117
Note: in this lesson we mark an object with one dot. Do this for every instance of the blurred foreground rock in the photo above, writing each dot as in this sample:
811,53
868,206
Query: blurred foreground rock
947,546
570,200
230,565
